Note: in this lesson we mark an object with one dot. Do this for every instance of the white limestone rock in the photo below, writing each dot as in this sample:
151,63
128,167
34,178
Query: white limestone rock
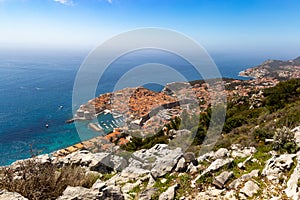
221,153
221,180
237,182
169,194
292,189
276,165
250,188
5,195
78,193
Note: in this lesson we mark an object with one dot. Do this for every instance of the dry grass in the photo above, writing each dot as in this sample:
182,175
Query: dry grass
37,181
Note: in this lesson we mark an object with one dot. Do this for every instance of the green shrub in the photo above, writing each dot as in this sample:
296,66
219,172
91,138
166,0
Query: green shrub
233,122
284,140
282,94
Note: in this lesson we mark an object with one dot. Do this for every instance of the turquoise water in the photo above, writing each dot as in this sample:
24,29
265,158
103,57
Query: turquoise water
35,90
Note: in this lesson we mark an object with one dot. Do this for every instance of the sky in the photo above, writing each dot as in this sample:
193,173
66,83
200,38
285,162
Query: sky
253,26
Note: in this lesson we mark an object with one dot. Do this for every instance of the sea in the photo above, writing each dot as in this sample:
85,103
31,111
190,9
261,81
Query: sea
36,89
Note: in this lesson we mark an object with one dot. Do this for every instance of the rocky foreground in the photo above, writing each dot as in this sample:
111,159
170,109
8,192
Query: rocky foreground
163,173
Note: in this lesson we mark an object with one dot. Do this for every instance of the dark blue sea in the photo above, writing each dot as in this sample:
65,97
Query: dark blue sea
36,89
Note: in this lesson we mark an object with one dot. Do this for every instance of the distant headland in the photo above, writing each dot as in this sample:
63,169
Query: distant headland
276,69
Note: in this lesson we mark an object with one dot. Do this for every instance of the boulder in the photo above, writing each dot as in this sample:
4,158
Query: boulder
102,162
159,160
221,180
221,153
292,189
5,195
205,156
242,152
166,164
78,193
250,188
82,158
217,164
237,182
169,194
276,165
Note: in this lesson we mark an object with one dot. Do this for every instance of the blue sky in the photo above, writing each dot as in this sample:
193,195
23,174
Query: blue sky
219,25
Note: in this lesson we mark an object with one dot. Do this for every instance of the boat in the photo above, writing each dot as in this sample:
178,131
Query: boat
95,127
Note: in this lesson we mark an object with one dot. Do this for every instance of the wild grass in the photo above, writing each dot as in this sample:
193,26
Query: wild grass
35,180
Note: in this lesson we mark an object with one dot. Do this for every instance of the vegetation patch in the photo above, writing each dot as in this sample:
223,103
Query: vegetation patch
35,180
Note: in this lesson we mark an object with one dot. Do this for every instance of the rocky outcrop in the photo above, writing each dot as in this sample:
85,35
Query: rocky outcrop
158,161
276,165
101,162
292,190
164,173
95,193
166,164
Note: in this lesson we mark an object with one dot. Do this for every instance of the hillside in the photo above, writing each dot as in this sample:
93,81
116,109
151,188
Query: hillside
282,70
256,157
